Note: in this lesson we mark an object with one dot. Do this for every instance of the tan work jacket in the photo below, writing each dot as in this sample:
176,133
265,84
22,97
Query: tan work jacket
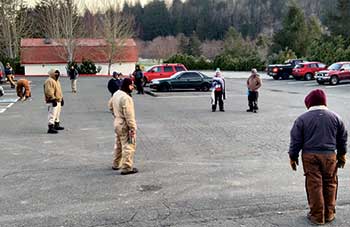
122,106
52,89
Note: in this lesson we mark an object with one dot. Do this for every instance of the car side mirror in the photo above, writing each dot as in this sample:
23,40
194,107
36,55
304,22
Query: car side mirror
342,69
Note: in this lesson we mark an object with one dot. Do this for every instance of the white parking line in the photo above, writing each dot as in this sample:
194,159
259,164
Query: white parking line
5,105
301,82
337,86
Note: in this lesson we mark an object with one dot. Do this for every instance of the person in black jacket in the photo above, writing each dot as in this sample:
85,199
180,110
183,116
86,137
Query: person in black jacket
10,75
73,75
322,137
138,76
114,83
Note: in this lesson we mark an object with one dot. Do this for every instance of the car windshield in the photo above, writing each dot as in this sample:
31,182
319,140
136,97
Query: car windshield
175,75
299,66
335,66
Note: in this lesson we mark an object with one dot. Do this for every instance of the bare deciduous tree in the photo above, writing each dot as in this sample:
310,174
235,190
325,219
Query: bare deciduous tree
211,48
162,47
14,25
115,30
60,21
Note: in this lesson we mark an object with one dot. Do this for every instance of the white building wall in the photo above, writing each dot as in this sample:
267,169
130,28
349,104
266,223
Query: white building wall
43,69
40,70
124,68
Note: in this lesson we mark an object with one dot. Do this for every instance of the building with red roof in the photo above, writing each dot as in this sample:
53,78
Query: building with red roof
38,56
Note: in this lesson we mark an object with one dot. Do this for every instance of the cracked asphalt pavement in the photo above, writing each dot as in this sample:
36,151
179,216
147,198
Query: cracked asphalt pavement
197,168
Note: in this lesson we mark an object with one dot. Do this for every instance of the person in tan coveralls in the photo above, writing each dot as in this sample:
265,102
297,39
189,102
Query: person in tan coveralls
122,107
54,100
322,137
23,89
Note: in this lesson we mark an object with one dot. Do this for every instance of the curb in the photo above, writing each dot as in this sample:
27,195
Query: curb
151,93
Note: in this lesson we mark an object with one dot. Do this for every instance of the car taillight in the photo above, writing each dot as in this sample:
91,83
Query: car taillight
275,70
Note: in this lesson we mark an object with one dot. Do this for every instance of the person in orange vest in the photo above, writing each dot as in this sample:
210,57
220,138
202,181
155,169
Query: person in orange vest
23,89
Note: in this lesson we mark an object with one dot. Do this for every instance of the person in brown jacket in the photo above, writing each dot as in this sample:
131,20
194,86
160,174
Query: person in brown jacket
54,100
23,89
122,107
253,84
322,137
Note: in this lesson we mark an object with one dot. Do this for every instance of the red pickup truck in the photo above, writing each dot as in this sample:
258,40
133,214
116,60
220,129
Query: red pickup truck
334,74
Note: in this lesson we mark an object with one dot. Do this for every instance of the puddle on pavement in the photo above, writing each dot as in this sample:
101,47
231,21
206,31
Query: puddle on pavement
149,188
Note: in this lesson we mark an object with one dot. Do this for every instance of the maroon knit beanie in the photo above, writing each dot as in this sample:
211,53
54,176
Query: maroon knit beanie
316,97
125,85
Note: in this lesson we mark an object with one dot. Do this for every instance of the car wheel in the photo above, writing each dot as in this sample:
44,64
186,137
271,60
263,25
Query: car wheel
275,77
308,76
205,87
334,80
164,87
285,76
320,82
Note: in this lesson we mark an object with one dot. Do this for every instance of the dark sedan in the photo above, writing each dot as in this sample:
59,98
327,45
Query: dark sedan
183,80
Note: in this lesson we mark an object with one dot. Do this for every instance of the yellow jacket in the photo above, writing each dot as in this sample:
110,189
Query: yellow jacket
122,106
52,89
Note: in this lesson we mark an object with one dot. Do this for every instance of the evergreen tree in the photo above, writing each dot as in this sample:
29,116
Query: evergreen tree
194,45
156,20
294,33
338,21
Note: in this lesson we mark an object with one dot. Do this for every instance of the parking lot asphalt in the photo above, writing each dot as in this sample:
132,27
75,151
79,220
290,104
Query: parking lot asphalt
197,168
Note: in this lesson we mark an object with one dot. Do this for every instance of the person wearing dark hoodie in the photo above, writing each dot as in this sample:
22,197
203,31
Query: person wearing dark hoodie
122,107
73,76
138,76
322,137
114,83
54,101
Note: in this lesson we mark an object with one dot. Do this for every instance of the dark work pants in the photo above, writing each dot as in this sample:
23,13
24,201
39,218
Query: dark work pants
218,97
139,86
253,100
321,182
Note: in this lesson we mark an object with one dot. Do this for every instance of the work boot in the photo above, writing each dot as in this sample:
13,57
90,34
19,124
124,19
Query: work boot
127,172
51,130
58,127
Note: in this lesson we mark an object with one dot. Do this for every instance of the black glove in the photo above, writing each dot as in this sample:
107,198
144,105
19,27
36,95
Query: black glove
341,160
62,102
294,164
54,103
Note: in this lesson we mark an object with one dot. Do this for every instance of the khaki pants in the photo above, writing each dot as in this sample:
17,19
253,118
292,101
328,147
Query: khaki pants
123,151
54,113
321,184
74,85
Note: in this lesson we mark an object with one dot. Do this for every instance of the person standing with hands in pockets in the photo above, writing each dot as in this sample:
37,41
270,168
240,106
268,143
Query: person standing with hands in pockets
122,107
253,85
322,137
54,101
73,76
